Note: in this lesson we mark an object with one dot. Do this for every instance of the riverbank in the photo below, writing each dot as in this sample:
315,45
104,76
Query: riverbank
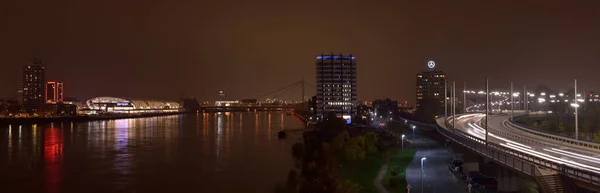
45,120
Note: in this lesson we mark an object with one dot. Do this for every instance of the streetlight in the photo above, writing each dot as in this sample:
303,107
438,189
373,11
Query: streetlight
453,104
525,99
465,97
422,171
487,107
576,119
445,99
512,102
413,128
403,142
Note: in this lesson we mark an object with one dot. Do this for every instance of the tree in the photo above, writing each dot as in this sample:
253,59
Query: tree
348,186
597,137
589,120
331,127
298,150
561,127
370,142
291,185
339,141
354,149
292,180
584,126
395,182
535,124
318,168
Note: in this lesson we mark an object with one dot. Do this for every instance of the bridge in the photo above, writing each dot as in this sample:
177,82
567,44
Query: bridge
555,163
263,105
248,108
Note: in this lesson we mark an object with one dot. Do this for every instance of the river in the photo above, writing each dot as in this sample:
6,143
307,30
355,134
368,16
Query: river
205,152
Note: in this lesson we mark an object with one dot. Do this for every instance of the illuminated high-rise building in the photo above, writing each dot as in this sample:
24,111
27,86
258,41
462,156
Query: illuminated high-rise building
430,84
54,92
221,95
336,86
33,85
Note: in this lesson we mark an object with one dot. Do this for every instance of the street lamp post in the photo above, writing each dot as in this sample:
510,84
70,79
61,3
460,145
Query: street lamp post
576,118
526,100
403,142
487,107
413,128
446,99
512,102
465,97
450,100
422,171
453,104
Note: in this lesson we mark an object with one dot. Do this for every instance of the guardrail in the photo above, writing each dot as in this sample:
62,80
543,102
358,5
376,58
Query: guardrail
556,137
477,145
516,137
515,159
427,125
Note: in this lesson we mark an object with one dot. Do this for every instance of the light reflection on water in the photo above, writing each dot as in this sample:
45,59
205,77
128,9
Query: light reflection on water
205,152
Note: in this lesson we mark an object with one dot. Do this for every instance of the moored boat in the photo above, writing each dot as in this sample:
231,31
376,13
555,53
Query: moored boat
282,134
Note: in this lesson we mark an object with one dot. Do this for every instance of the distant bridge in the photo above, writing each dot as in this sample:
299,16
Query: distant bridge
258,106
248,108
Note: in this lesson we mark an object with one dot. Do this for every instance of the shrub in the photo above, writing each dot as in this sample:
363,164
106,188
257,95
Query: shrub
395,182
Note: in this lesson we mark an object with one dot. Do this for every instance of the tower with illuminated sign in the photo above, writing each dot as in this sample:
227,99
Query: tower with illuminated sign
430,84
221,95
336,86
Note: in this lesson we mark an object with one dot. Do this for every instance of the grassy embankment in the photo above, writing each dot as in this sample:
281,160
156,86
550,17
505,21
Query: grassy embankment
365,171
399,160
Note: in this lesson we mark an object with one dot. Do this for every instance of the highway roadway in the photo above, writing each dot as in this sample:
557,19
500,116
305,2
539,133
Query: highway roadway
549,149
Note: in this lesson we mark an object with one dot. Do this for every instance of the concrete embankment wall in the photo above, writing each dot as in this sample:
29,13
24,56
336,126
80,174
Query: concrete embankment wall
44,120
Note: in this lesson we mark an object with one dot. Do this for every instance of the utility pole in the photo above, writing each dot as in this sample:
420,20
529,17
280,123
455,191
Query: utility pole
576,118
491,97
525,98
453,104
302,94
422,173
465,97
512,102
446,98
487,102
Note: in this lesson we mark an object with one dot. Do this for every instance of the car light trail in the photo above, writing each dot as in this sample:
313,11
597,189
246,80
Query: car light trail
479,132
571,154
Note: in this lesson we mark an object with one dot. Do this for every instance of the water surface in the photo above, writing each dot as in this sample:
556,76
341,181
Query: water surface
210,152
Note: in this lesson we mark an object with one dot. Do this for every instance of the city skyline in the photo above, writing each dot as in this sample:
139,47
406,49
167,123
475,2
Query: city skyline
246,53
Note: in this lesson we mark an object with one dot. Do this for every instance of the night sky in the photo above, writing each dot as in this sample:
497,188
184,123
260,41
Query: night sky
160,49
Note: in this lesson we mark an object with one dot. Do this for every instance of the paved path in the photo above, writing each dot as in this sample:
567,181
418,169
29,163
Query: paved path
379,179
437,177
